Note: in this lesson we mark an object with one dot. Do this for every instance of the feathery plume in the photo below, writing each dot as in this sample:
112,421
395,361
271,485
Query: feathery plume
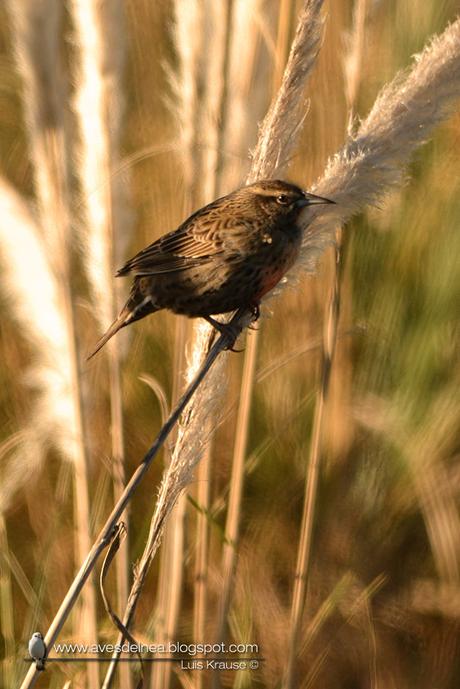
25,263
99,107
99,110
187,80
373,161
283,121
36,44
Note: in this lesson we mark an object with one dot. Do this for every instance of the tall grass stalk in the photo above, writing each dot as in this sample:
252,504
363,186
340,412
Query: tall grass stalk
98,105
200,585
36,43
286,22
311,484
186,105
187,83
278,133
352,63
232,524
249,61
237,48
218,30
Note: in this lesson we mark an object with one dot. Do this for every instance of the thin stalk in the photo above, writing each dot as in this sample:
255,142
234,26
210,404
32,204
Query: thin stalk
311,484
172,552
300,62
164,506
98,107
214,176
352,64
283,40
236,482
187,108
188,81
122,567
105,534
88,625
223,102
200,589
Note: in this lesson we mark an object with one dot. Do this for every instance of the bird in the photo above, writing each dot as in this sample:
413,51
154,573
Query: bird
37,650
225,256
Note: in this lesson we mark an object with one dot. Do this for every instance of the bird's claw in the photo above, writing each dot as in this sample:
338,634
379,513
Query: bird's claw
232,349
255,309
228,331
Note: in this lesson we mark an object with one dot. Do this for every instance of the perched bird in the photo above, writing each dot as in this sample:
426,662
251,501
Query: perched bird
37,650
225,256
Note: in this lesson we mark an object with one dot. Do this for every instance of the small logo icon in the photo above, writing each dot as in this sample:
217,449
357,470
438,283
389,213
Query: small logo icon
37,650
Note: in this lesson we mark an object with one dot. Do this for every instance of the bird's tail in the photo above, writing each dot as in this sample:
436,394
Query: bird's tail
138,306
123,319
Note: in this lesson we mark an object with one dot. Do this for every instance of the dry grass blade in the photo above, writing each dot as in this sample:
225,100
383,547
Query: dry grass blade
187,83
98,106
277,135
352,79
312,476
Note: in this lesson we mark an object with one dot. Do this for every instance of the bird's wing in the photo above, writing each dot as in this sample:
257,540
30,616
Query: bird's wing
197,242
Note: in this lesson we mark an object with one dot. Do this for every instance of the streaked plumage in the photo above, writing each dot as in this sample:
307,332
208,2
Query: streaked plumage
225,256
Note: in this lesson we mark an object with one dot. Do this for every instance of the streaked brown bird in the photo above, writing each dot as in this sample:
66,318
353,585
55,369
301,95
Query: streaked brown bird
225,256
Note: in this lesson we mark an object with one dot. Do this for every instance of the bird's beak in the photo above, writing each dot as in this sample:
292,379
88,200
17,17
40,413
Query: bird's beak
311,200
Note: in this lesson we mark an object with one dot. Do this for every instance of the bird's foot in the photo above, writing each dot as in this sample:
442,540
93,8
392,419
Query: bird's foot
255,311
227,330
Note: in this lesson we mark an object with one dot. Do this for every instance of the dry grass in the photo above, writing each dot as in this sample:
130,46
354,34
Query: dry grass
384,538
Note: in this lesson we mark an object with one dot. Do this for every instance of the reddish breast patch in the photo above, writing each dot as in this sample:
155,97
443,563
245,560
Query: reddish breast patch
273,274
269,280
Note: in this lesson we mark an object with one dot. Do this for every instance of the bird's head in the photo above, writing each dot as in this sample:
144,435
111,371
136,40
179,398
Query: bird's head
278,198
37,635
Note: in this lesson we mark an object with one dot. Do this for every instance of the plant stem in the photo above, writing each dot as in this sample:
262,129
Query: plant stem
311,486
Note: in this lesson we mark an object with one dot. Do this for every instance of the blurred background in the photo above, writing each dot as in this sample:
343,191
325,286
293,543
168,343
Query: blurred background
118,119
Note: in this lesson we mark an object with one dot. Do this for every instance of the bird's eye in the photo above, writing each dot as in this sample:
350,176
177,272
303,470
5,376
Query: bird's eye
283,199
